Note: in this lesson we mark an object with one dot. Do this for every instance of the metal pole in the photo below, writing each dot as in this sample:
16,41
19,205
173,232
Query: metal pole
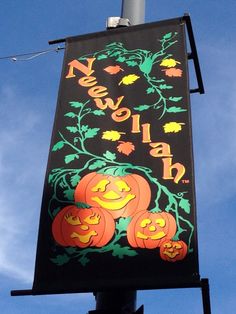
206,296
119,302
134,10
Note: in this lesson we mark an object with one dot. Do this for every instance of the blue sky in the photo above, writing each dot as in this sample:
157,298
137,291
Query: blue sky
28,93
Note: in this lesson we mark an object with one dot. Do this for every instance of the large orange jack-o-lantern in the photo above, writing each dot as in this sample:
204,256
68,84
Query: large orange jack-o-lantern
83,227
122,196
173,251
148,230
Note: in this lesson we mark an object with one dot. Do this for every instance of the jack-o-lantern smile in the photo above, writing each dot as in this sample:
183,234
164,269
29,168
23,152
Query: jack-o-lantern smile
173,251
90,220
83,227
120,195
148,230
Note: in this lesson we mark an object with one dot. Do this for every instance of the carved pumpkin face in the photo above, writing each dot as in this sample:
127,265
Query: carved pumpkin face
121,196
148,230
83,227
173,251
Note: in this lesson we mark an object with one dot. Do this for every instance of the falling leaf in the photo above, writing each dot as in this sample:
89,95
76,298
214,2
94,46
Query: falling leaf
125,147
173,72
113,69
169,63
111,135
129,79
173,127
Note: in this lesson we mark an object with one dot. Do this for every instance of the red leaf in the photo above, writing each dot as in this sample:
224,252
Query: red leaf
125,148
113,69
173,72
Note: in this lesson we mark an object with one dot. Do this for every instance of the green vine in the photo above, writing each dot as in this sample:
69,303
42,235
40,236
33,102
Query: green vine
145,60
66,180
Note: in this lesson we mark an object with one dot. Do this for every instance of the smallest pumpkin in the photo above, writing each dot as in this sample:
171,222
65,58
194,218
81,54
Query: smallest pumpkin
172,251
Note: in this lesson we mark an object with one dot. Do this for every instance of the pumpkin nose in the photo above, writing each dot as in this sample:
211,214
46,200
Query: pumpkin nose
84,227
111,195
152,228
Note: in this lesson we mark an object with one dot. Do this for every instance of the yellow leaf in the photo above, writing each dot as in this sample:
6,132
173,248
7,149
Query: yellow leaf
111,135
169,63
173,127
129,79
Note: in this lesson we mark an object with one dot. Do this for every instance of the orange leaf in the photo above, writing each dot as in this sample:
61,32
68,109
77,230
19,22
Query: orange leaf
125,147
173,72
113,69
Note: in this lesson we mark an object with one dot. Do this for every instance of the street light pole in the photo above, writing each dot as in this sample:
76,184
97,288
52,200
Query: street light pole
134,10
122,301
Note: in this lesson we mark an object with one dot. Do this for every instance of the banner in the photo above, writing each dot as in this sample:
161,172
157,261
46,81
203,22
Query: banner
118,208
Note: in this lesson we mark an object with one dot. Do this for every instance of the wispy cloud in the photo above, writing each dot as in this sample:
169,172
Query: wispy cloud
21,173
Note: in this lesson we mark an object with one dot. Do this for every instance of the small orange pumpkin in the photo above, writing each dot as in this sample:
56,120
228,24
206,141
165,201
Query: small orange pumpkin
173,251
83,227
122,196
148,230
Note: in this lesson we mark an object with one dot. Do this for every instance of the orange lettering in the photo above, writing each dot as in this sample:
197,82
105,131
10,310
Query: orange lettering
146,133
168,168
87,81
136,123
75,64
160,149
97,91
108,103
121,114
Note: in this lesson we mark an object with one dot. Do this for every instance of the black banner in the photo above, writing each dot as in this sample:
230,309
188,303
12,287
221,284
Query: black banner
118,208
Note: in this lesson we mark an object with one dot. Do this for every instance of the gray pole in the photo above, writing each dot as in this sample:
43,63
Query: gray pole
134,10
118,302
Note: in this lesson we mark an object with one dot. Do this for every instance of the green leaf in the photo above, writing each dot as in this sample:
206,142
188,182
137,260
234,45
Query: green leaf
71,157
167,36
176,109
71,250
150,90
121,252
122,224
72,129
60,259
69,194
164,86
185,205
175,99
115,54
70,115
142,107
57,146
121,59
82,205
97,164
56,211
84,128
102,57
84,260
131,63
75,180
110,156
99,113
90,133
76,104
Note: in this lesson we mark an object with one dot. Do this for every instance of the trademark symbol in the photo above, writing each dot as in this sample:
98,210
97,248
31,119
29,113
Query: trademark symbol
185,181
